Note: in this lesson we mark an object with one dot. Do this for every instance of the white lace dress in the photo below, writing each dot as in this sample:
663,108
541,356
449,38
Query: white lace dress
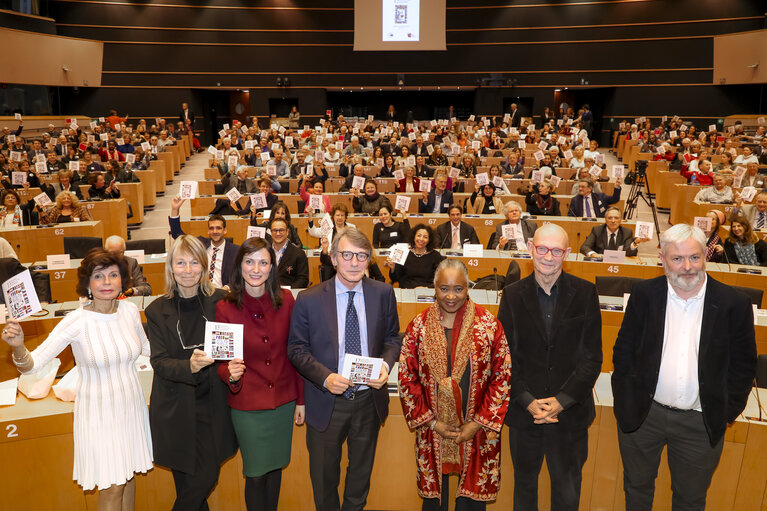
111,424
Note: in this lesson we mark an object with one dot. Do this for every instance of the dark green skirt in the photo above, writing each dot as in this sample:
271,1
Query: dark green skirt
265,437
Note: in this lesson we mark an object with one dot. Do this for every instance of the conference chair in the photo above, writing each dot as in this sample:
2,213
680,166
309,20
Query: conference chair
615,286
78,246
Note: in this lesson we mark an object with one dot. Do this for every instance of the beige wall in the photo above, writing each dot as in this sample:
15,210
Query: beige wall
734,53
40,59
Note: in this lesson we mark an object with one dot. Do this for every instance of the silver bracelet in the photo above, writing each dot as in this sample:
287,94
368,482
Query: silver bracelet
23,361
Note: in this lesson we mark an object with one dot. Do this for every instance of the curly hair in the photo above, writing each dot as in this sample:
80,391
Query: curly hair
98,258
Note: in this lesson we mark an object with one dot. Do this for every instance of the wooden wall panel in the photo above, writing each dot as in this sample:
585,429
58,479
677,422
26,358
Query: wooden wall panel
57,60
741,58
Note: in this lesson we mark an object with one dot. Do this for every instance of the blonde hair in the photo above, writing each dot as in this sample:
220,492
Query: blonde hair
72,197
190,245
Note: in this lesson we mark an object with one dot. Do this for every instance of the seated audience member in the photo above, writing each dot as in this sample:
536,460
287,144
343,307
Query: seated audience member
540,199
357,171
439,199
221,252
372,201
53,164
309,187
583,173
703,175
387,170
239,179
421,169
283,170
65,184
437,158
455,233
114,171
139,285
421,263
743,246
338,214
280,210
714,244
610,236
15,214
495,171
746,157
752,177
100,190
299,167
578,160
484,203
387,231
525,228
467,166
67,208
588,204
719,193
410,184
756,213
726,165
110,152
292,263
402,160
513,167
265,187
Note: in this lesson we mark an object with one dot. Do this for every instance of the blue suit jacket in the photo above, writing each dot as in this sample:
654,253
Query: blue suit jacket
599,203
447,200
313,343
230,249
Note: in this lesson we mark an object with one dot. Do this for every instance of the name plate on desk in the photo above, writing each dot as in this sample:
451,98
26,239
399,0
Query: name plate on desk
56,262
472,250
138,255
614,256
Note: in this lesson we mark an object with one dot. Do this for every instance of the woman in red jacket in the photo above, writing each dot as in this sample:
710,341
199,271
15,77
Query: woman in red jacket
266,393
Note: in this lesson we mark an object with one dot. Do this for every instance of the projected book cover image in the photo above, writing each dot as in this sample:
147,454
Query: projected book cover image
223,341
401,20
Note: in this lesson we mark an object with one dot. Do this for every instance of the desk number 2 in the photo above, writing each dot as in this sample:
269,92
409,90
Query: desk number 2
11,429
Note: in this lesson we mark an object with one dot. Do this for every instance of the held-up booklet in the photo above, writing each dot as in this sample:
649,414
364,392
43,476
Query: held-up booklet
223,341
360,370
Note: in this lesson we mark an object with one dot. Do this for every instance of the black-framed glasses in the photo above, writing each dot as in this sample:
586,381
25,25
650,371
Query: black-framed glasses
348,256
178,325
542,251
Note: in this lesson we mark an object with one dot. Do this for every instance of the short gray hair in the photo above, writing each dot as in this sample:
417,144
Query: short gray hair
680,233
116,240
511,204
357,238
454,264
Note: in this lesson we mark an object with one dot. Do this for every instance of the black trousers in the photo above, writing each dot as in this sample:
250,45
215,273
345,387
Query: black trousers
461,503
565,452
355,422
192,490
691,458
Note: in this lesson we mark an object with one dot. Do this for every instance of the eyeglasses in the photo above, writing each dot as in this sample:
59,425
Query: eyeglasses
542,251
178,324
279,231
348,256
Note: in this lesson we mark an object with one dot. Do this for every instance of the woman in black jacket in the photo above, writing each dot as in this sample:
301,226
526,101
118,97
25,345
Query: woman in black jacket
541,202
191,424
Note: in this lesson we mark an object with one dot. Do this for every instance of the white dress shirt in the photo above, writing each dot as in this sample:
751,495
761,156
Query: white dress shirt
678,377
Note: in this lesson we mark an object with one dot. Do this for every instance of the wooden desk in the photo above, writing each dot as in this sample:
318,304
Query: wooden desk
130,192
113,214
170,165
161,173
663,188
36,242
148,186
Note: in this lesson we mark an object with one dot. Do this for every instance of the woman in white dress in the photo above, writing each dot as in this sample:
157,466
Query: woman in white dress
111,424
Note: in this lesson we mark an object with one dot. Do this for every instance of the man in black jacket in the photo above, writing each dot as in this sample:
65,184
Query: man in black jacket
292,264
684,362
554,328
455,233
610,236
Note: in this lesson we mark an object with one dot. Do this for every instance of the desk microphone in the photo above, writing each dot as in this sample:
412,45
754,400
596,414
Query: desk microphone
578,241
758,404
495,281
570,208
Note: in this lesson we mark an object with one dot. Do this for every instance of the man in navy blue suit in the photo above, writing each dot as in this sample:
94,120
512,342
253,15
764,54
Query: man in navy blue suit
346,315
590,204
439,199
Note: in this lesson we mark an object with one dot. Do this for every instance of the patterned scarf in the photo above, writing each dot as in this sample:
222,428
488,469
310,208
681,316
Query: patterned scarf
746,253
449,405
713,241
16,214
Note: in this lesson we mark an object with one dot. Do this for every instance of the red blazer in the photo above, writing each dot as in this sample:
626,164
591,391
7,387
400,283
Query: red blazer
703,179
269,380
403,183
106,156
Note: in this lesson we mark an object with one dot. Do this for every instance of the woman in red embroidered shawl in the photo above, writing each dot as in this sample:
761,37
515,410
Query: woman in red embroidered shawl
454,371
